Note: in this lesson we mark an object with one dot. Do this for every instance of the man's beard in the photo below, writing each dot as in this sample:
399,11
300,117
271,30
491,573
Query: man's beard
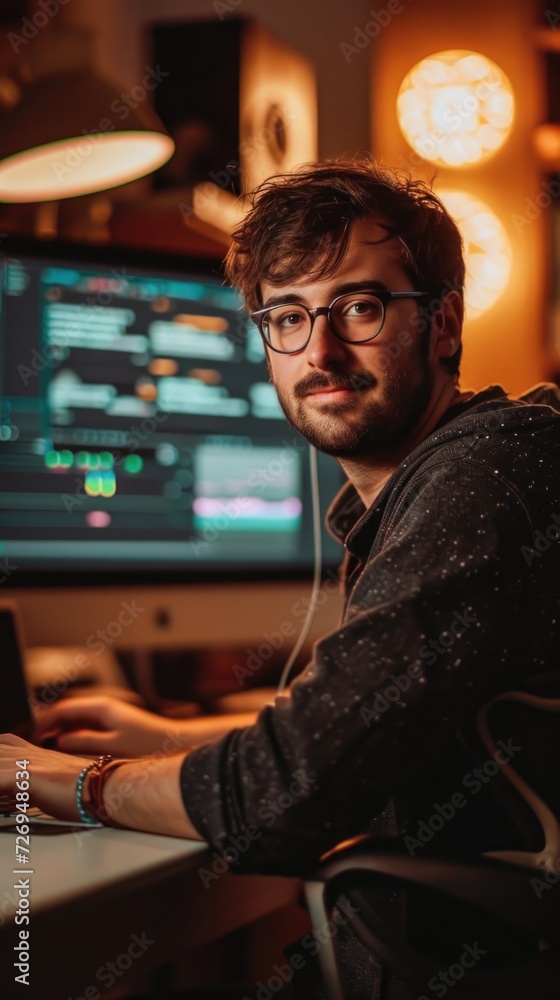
384,423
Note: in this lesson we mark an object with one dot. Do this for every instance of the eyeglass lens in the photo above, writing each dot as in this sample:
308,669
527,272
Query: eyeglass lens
354,317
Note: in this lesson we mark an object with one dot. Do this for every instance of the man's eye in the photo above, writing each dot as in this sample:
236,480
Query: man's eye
362,308
291,318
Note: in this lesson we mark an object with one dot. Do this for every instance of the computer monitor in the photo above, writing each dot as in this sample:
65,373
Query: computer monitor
141,441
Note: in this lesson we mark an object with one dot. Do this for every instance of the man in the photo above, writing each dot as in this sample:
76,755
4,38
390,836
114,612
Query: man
354,276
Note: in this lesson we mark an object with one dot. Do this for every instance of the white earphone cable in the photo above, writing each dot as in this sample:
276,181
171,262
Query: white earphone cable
316,510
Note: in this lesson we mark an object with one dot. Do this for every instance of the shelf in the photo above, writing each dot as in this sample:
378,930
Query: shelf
161,224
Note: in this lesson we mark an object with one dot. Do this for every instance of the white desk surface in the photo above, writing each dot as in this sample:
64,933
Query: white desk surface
91,889
68,865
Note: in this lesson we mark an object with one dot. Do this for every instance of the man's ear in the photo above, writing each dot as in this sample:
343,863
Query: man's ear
447,325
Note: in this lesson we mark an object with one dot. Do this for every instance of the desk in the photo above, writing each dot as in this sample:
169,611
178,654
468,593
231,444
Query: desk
93,891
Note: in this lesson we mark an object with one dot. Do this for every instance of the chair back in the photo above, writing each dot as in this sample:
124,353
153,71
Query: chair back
515,741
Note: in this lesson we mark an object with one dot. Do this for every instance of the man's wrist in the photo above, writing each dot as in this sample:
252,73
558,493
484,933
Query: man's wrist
93,800
84,794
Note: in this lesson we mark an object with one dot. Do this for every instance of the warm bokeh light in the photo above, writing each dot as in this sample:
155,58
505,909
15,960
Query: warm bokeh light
163,366
487,250
217,206
212,324
455,108
546,140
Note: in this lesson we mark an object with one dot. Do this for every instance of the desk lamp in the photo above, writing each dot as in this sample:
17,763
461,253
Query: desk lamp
72,135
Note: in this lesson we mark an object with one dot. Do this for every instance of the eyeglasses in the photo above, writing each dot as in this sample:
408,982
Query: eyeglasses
355,318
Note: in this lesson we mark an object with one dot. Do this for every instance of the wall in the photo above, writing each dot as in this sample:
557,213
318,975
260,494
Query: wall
312,27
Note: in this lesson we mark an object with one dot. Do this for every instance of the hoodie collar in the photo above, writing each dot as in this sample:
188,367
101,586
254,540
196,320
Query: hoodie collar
347,517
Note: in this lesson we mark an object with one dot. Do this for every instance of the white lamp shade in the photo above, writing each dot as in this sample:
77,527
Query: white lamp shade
71,134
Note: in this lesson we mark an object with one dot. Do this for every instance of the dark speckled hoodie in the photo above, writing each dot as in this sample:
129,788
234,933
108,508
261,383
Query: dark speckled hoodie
452,594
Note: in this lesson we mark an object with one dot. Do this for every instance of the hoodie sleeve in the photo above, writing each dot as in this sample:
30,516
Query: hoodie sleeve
437,620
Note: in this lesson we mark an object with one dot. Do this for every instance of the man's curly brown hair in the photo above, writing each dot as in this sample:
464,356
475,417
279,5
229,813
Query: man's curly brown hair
299,224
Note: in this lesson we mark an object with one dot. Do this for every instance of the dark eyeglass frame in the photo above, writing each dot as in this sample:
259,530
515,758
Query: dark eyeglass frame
383,296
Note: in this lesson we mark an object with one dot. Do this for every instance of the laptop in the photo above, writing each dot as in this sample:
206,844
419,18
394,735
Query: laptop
15,708
15,711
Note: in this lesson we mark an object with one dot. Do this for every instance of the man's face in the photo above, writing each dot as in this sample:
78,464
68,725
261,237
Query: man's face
374,393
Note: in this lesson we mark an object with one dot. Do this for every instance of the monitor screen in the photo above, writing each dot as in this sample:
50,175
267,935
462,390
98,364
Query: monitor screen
140,436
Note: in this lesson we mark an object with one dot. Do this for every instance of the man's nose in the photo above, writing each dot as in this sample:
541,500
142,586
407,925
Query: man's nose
324,347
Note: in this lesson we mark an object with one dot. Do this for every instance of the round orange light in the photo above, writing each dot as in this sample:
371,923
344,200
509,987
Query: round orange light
455,108
487,250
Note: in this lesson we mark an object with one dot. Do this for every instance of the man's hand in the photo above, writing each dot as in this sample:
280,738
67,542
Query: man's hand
98,725
140,794
52,777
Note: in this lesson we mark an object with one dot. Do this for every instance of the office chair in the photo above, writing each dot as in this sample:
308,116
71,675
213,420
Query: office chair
518,887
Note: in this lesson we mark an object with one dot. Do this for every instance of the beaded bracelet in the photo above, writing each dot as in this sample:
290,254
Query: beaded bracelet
95,807
95,765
